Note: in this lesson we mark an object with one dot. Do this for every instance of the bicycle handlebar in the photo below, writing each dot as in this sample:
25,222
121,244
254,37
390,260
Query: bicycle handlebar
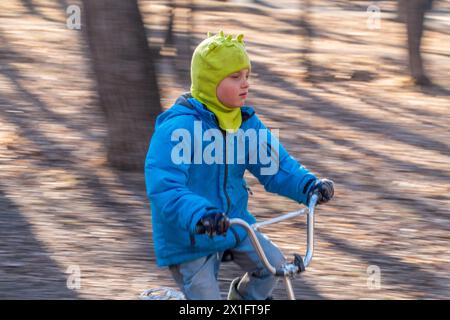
310,226
289,269
252,228
310,235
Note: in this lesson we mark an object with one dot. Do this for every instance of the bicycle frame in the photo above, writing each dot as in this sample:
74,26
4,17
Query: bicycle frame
288,270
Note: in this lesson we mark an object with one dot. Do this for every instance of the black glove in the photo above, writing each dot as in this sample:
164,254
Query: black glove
324,189
213,224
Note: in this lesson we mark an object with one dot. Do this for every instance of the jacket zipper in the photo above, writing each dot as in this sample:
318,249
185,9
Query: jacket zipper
192,237
226,175
226,166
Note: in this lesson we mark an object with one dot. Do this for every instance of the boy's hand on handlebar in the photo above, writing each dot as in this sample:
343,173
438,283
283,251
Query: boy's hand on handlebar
324,189
213,224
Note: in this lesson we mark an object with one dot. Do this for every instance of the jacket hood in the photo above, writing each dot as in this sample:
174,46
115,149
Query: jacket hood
181,107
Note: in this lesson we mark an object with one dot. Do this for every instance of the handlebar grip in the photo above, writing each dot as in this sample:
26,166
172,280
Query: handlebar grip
224,224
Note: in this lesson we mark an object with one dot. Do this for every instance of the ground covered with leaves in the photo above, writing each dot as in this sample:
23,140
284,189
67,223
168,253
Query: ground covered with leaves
337,91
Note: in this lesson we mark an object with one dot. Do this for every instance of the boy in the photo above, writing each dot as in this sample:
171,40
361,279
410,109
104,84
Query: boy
194,187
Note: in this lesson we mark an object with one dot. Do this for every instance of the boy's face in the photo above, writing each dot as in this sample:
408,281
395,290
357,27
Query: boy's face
233,90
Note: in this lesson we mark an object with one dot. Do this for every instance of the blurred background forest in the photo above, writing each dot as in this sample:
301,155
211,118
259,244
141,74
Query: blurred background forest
360,96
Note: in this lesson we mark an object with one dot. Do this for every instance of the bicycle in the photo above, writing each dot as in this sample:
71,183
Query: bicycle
288,271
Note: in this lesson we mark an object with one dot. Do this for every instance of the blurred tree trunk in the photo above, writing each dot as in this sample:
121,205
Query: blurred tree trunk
169,40
412,12
126,79
307,34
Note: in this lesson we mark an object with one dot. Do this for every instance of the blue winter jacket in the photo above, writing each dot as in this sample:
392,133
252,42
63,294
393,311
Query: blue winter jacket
181,194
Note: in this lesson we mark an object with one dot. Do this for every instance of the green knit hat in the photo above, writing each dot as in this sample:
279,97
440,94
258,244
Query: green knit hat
214,59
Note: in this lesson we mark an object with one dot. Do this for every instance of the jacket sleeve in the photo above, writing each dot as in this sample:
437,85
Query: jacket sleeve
291,179
166,181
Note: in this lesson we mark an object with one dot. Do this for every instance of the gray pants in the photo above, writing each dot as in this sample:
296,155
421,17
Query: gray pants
198,278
